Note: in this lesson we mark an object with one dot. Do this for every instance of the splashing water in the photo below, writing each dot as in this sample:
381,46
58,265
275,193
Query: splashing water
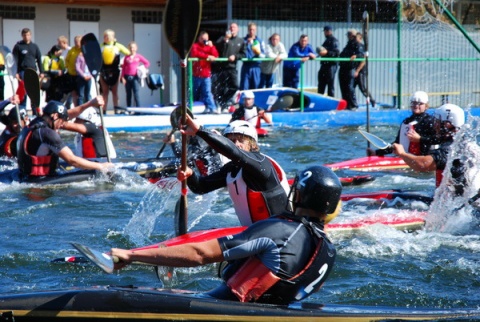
450,213
158,201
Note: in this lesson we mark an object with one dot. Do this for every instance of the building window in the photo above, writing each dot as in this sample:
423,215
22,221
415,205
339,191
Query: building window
17,12
83,14
146,16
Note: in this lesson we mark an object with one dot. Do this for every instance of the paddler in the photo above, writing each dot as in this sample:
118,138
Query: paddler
448,120
278,260
40,145
8,138
417,132
249,112
256,183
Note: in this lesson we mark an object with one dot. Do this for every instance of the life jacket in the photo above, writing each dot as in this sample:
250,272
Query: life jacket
250,205
10,147
254,281
438,177
410,147
32,165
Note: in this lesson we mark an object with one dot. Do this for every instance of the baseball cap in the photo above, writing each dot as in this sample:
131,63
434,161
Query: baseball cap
419,96
327,28
248,94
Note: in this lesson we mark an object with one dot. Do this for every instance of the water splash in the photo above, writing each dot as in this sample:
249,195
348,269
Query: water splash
450,213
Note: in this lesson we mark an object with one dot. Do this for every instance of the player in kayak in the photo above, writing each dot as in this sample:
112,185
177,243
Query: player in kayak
257,184
281,259
248,111
449,119
417,132
8,138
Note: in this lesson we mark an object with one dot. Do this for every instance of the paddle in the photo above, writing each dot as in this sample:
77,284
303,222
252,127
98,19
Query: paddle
32,86
12,71
93,58
375,140
165,143
181,24
365,19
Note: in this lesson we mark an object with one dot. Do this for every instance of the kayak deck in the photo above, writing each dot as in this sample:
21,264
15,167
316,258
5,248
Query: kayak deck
140,304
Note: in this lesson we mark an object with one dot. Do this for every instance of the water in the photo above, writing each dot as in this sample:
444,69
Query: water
437,268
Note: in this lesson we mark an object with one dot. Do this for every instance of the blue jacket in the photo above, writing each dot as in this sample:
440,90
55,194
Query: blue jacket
297,51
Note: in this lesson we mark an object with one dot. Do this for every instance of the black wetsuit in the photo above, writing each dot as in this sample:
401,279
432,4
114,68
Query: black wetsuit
328,69
283,246
251,177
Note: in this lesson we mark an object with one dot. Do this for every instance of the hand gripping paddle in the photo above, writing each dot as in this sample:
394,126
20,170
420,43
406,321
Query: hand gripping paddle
181,24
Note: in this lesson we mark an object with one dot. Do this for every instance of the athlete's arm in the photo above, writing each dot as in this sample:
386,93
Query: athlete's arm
76,111
423,163
75,127
67,155
187,255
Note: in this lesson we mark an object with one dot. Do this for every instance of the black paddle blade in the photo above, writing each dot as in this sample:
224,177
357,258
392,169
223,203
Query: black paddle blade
32,86
92,53
181,22
176,115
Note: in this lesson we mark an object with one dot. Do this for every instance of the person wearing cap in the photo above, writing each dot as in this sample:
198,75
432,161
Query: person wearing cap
326,75
417,132
346,73
291,68
40,145
256,183
279,260
9,136
89,137
448,118
249,112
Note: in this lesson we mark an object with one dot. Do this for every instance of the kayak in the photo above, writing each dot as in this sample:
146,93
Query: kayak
373,163
411,222
197,108
390,195
130,303
313,102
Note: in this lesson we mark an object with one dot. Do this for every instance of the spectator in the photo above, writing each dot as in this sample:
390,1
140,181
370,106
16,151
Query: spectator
129,73
62,42
110,73
53,65
224,76
27,55
291,69
346,73
328,69
249,112
361,72
276,50
204,49
83,80
71,76
254,48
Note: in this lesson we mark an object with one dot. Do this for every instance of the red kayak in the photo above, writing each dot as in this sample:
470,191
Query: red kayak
374,163
414,221
390,195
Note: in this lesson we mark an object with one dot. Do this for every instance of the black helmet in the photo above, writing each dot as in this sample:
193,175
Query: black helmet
318,189
56,107
13,115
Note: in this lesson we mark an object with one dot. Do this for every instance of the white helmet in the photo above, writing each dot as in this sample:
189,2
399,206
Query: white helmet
90,114
452,113
241,127
248,94
420,97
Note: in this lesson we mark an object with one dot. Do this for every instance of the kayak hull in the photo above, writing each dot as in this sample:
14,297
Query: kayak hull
373,163
140,304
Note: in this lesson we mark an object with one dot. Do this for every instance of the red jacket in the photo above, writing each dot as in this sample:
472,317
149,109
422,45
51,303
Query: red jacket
202,68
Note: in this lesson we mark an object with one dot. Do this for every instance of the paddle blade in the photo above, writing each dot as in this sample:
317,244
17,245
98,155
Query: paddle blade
32,86
102,260
375,140
181,23
92,53
181,210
